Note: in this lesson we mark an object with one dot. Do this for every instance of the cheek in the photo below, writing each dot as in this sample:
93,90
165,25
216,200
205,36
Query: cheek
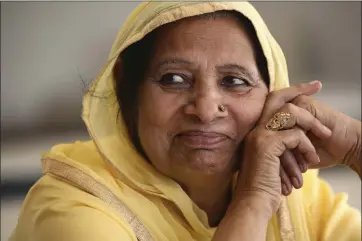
158,114
157,108
247,112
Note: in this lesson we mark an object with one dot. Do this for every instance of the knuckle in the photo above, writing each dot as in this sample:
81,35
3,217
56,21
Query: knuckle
306,103
301,101
298,101
315,121
289,107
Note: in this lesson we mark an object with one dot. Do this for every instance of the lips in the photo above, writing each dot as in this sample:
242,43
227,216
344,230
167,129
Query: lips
202,140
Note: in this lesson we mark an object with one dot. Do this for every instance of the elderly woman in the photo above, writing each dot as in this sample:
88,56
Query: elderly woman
197,136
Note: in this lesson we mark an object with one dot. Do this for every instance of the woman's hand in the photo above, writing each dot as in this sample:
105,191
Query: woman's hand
261,175
270,160
344,145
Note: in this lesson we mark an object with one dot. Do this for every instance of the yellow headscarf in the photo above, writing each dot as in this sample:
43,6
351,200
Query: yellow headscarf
101,107
100,104
105,183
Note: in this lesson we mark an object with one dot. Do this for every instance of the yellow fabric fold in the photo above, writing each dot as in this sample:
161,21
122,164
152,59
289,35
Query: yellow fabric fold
54,205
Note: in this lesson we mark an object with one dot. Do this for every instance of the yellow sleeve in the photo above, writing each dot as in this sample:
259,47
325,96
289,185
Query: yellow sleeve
79,224
331,216
54,210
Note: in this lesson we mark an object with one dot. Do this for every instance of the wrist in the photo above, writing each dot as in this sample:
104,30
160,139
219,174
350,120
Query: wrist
356,159
245,218
258,204
353,157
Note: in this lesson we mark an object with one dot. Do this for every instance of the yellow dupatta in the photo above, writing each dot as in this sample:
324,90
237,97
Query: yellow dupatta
100,114
134,193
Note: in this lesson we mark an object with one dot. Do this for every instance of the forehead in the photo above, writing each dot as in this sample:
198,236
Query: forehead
218,38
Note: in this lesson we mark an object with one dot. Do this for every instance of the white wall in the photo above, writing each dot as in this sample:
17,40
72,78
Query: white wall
44,44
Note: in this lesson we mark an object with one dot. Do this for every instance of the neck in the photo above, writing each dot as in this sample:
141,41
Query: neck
212,195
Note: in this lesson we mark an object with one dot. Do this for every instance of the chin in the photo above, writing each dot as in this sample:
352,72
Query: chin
207,161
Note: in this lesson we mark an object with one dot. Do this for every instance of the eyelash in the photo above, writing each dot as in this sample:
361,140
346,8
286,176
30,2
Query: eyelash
175,85
245,82
188,84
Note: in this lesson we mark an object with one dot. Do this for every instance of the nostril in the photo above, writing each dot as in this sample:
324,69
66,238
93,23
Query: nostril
222,108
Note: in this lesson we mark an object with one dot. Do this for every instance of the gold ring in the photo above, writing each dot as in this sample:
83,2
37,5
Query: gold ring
280,121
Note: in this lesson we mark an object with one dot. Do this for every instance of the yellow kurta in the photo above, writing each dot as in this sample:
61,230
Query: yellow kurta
59,209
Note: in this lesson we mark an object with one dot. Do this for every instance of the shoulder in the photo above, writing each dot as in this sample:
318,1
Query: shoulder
79,157
74,150
56,210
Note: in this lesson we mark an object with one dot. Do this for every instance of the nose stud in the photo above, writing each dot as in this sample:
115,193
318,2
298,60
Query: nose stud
221,108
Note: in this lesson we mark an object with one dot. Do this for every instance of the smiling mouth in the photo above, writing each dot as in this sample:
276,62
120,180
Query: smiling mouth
202,140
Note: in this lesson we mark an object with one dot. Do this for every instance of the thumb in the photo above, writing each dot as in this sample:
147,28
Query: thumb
312,88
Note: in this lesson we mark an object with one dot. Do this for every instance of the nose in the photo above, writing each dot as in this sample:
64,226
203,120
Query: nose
205,104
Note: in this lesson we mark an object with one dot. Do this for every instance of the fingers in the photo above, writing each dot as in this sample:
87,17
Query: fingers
303,166
291,167
285,181
296,139
305,120
281,146
277,99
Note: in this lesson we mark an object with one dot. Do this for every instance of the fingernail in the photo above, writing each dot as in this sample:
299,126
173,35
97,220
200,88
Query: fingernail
295,182
327,130
314,82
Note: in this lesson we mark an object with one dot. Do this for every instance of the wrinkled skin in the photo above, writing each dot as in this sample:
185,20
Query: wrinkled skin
199,64
215,64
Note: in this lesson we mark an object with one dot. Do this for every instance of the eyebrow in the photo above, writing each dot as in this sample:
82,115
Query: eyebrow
171,61
239,68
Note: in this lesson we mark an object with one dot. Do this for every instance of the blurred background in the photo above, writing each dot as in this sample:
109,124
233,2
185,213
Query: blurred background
47,48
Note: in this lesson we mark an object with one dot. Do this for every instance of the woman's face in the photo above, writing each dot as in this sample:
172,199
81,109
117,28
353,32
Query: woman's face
199,64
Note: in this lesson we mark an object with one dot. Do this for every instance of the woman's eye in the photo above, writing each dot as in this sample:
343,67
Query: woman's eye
231,82
174,81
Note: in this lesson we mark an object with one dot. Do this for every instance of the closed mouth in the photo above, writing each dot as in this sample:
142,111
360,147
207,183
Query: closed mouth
201,139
